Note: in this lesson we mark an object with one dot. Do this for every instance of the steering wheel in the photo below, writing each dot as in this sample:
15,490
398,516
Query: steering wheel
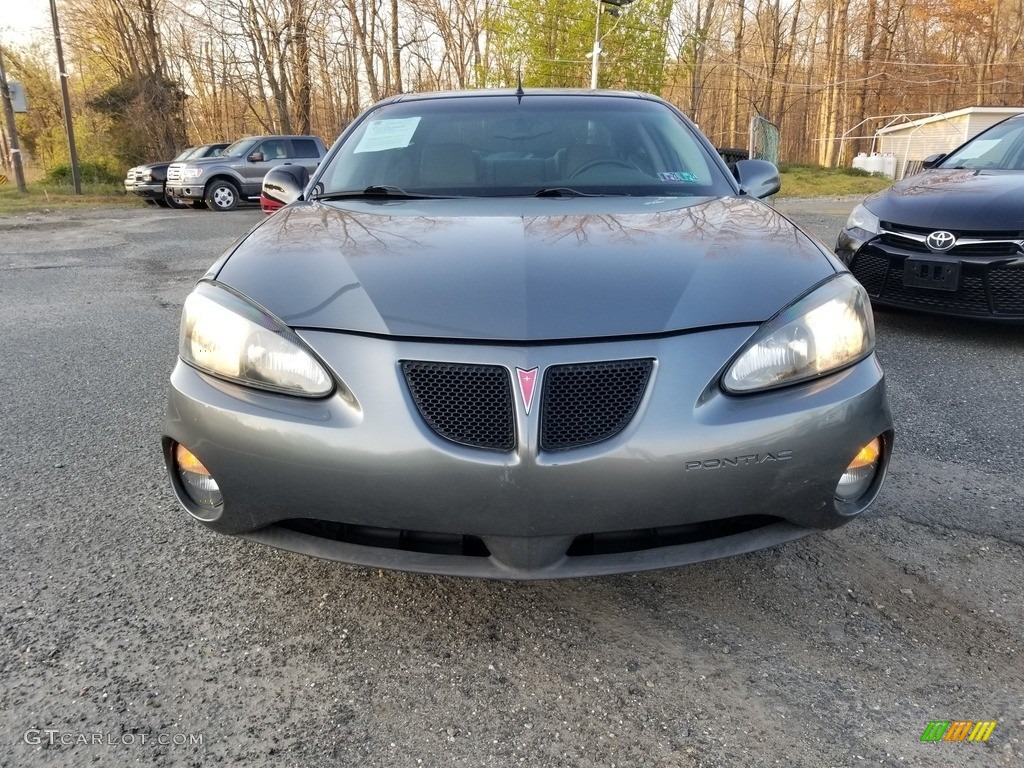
602,161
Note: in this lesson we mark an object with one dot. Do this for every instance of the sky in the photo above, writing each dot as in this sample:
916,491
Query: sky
23,20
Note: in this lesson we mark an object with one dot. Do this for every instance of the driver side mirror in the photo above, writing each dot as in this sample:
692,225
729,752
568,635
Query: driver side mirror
758,178
256,157
932,160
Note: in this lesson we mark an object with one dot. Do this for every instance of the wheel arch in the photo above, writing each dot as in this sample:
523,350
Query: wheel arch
222,176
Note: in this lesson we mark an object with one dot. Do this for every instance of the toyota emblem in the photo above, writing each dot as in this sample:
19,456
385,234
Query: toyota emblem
940,241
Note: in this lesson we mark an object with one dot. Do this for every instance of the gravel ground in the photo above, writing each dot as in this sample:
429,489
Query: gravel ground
131,636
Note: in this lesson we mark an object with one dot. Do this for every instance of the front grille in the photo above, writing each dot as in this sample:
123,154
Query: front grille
992,245
467,404
902,243
986,250
1007,289
986,288
975,234
174,173
586,403
870,270
969,298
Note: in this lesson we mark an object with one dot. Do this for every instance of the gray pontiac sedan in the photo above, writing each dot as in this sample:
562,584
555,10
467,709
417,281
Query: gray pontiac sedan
526,335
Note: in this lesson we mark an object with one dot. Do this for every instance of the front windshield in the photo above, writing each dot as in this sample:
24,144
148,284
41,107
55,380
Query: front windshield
239,148
185,153
999,148
502,145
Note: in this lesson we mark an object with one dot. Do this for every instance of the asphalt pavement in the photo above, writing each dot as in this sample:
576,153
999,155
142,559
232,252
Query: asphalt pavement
130,635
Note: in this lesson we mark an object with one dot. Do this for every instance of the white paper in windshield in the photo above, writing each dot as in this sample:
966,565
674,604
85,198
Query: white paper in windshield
387,134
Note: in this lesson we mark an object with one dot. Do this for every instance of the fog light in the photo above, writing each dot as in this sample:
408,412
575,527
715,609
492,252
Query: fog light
861,473
196,478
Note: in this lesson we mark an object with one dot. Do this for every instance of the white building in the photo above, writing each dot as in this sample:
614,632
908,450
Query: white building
912,141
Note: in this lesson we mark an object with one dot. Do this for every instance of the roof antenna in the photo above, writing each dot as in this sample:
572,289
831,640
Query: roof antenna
519,85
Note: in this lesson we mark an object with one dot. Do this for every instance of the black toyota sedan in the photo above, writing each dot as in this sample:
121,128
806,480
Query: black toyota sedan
948,240
526,334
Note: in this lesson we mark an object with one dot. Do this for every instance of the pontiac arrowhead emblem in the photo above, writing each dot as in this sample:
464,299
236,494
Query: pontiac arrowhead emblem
527,386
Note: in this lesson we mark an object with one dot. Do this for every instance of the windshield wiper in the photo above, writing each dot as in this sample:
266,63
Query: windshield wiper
386,191
564,192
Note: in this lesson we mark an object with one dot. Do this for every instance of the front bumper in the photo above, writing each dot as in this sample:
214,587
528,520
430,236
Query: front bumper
695,475
989,284
187,191
150,190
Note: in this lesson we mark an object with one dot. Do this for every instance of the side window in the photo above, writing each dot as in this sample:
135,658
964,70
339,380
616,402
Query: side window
273,150
305,148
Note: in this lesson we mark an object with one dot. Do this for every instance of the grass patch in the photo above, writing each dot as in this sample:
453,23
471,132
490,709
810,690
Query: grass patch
45,196
817,181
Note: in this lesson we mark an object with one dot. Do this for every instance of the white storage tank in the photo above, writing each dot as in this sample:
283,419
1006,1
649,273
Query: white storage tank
876,162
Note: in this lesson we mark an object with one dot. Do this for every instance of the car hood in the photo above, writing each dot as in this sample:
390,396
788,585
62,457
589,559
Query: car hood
525,269
965,199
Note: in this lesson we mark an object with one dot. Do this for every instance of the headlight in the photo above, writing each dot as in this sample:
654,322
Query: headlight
144,176
228,337
830,328
863,219
193,173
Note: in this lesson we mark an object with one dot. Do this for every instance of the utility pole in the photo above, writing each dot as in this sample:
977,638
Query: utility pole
595,54
67,100
12,130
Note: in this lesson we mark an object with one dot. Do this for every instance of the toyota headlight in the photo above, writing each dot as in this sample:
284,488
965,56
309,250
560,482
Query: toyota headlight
224,335
828,329
864,220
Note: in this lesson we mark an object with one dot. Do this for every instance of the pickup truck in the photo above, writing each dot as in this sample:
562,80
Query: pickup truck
237,174
147,181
